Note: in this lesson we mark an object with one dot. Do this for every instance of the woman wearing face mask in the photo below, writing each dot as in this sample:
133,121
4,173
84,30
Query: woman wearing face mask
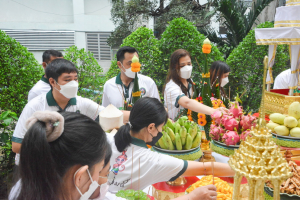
178,90
219,72
61,157
135,166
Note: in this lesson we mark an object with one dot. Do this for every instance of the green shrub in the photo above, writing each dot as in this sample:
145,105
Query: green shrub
182,34
90,76
246,63
145,43
19,71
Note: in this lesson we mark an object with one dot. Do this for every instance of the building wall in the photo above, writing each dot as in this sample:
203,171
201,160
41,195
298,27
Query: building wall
80,16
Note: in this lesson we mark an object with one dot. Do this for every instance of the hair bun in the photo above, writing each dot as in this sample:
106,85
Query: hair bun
53,120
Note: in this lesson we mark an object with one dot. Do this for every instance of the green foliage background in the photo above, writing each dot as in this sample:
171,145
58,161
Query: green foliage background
19,71
182,34
90,76
246,64
146,44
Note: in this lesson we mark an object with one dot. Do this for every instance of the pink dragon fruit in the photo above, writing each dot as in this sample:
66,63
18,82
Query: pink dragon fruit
247,121
217,116
224,118
231,138
231,123
236,110
245,134
216,132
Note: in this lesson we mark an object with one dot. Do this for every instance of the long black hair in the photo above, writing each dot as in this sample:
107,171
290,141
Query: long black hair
145,111
217,70
43,164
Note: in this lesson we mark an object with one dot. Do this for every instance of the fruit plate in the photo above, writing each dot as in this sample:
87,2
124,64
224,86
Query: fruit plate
174,151
285,137
228,146
283,196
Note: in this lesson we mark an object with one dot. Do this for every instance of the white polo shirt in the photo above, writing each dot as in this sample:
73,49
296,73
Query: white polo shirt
282,80
41,87
47,102
138,167
114,91
172,95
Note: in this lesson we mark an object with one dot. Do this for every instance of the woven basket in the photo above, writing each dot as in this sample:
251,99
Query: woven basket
285,142
278,103
192,155
223,150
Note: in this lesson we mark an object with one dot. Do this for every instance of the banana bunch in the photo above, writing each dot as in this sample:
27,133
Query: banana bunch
181,135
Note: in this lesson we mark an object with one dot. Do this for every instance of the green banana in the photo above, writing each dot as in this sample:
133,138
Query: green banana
183,135
157,144
170,124
193,130
182,120
171,134
178,142
197,140
166,145
169,142
189,142
177,127
161,143
187,124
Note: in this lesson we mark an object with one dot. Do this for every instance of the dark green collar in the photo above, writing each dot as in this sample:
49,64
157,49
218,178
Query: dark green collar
44,79
51,101
119,81
138,142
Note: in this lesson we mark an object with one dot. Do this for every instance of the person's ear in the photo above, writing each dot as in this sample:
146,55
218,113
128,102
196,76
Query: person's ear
151,127
52,82
81,176
119,65
44,65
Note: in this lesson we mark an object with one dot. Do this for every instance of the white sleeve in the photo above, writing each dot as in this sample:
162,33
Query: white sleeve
165,168
171,96
90,108
154,91
20,129
105,99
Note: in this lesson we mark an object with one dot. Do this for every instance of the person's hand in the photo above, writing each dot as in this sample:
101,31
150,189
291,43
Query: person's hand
208,192
222,109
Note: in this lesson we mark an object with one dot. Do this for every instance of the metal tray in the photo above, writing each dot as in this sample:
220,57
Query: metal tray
286,137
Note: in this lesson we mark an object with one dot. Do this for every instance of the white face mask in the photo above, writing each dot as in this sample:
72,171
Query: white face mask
128,72
186,72
224,81
69,90
94,185
103,190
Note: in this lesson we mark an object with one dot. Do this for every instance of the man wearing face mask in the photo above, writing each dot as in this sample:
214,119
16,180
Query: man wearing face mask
119,89
62,76
43,86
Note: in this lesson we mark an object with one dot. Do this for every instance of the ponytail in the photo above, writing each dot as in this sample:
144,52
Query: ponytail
123,137
37,167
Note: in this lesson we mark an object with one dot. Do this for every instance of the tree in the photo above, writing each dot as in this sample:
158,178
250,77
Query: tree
238,20
246,64
128,16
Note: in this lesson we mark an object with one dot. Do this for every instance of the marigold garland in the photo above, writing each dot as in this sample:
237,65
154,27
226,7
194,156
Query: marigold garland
206,48
135,67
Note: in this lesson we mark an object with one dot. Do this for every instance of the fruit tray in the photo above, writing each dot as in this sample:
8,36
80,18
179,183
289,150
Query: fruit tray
191,154
286,141
222,148
283,196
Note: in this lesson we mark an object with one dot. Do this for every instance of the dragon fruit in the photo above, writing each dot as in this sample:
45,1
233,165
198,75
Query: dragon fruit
236,110
231,138
230,123
217,116
216,132
247,121
245,134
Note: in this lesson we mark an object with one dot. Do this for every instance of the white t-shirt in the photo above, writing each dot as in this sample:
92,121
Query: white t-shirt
138,167
47,102
172,94
114,90
282,80
41,87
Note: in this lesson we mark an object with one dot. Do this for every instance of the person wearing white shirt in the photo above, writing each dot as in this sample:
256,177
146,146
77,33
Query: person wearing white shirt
62,76
178,91
43,86
118,89
135,166
61,158
282,80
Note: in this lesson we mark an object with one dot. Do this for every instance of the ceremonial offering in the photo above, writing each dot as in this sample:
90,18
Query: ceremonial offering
223,189
110,118
132,195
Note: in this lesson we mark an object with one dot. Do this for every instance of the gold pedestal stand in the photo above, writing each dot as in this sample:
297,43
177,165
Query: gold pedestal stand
205,147
179,181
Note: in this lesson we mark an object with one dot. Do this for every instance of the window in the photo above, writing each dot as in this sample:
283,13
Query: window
97,44
43,40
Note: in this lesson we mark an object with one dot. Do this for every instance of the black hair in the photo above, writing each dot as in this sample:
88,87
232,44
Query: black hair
48,53
145,111
121,52
217,69
43,164
108,154
59,66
